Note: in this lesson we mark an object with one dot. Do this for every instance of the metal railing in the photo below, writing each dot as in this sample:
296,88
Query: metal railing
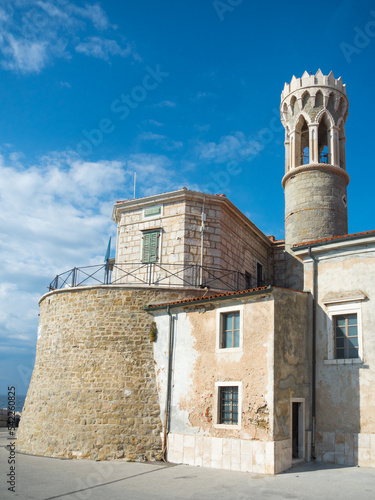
155,274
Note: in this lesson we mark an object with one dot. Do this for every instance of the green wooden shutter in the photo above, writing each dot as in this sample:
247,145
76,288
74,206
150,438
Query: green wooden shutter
150,250
154,240
146,248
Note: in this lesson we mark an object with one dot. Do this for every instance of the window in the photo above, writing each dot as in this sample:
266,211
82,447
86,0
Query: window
228,405
230,336
150,249
228,409
229,328
346,336
260,280
344,329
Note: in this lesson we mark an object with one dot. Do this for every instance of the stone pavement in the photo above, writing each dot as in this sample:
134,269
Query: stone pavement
42,478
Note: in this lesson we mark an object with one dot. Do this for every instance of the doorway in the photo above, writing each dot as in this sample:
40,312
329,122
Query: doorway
297,429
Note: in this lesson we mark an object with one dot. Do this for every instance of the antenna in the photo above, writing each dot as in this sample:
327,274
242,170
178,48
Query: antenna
135,181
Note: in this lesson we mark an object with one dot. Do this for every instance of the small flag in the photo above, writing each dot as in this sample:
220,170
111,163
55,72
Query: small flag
108,252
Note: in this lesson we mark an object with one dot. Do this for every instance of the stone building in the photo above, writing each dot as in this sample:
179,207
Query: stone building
207,342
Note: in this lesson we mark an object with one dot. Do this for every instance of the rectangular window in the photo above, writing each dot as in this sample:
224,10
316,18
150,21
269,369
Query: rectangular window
228,405
230,335
346,336
150,249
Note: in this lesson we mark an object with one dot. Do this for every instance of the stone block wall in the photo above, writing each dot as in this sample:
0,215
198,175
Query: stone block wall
220,453
93,391
346,448
315,206
230,240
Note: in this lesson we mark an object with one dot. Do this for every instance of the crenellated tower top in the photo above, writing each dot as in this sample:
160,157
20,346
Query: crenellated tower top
317,80
314,109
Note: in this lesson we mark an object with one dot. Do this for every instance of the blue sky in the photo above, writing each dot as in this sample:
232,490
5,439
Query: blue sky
184,93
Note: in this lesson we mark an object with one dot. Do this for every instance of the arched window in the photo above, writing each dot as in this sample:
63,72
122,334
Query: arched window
324,147
302,142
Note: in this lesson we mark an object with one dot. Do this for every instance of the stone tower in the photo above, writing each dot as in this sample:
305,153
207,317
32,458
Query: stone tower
314,109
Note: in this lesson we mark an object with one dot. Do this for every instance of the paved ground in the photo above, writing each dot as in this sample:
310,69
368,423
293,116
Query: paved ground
43,478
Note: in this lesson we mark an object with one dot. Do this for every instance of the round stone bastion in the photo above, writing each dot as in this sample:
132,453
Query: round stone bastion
93,391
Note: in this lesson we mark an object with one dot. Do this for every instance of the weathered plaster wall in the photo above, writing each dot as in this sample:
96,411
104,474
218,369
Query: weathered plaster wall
293,344
293,367
195,437
271,364
93,392
345,392
198,365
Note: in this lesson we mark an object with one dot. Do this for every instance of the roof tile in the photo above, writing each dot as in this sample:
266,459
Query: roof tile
343,236
209,297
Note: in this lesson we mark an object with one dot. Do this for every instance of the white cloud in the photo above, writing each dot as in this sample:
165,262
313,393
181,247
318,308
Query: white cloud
103,48
165,104
94,13
35,32
164,141
155,174
24,55
65,85
150,136
154,122
236,147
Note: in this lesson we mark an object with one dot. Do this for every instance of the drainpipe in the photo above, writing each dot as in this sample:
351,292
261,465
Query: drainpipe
169,380
202,242
313,402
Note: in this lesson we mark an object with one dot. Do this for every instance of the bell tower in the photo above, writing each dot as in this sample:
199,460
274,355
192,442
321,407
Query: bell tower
314,109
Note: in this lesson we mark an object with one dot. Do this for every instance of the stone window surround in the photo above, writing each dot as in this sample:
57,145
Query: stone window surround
216,413
219,325
340,307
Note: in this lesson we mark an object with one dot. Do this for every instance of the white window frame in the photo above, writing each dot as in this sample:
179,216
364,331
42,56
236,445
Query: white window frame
152,217
339,309
219,327
217,425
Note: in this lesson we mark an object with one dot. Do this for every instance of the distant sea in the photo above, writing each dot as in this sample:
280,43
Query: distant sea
20,401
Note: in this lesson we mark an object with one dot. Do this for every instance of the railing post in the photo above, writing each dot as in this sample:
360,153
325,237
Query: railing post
74,277
149,268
